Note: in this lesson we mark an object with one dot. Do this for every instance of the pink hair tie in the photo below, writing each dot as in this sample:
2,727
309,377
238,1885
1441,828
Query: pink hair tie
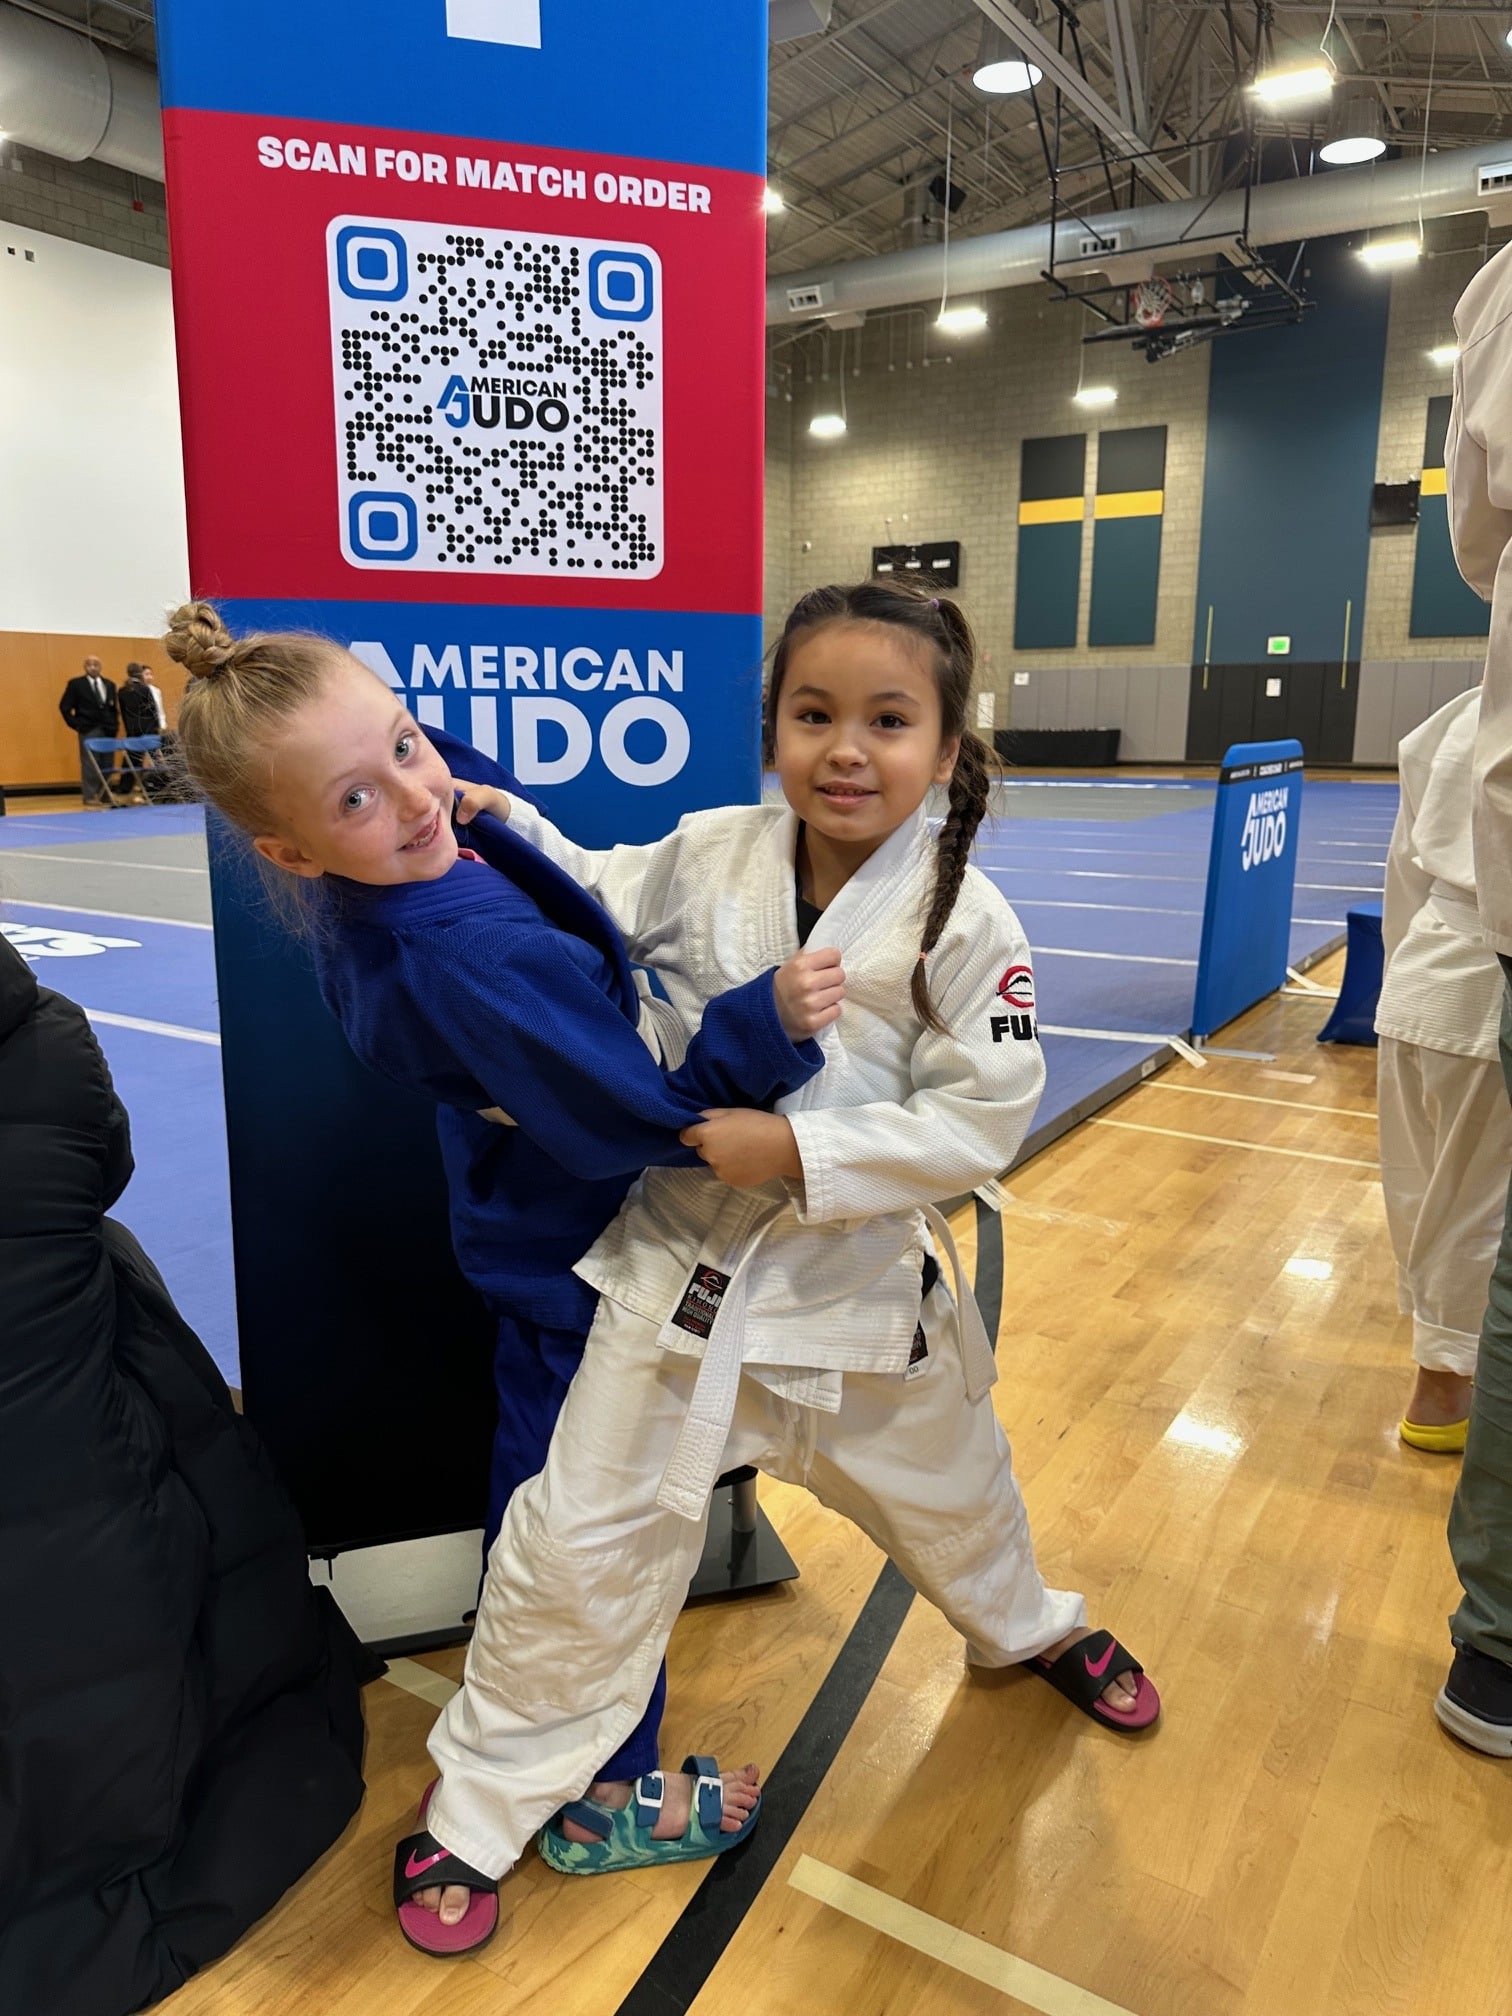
934,601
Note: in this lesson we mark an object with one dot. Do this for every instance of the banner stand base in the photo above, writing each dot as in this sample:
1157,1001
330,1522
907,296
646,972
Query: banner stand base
741,1553
408,1596
418,1595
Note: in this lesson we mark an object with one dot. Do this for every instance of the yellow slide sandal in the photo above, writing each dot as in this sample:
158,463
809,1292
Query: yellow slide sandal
1445,1440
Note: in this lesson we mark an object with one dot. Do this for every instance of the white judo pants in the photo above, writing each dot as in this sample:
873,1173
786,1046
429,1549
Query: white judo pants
1446,1154
588,1574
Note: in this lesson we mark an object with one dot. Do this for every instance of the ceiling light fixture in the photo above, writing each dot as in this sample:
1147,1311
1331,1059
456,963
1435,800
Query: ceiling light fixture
771,201
1387,252
827,426
1001,67
962,320
1295,85
1444,354
1096,395
1354,130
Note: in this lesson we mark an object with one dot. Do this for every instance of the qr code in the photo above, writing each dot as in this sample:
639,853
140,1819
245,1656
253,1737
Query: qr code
498,400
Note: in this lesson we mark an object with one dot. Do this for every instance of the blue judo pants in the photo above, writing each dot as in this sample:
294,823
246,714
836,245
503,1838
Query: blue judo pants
532,1370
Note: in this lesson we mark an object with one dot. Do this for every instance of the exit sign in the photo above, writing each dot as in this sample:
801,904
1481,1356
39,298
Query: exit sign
1278,647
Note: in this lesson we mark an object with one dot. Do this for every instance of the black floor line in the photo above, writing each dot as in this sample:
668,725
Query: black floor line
692,1949
679,1967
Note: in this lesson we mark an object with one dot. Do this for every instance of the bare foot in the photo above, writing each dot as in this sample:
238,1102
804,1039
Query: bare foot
450,1902
1117,1694
741,1790
1439,1399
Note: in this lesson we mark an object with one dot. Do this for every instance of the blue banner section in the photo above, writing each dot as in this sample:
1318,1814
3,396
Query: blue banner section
547,73
1252,872
366,1360
619,721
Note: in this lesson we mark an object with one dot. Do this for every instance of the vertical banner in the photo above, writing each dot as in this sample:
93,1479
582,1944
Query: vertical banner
1128,516
1053,478
469,300
1252,873
1442,605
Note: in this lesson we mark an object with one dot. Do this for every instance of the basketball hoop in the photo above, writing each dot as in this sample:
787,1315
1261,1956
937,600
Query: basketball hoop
1150,302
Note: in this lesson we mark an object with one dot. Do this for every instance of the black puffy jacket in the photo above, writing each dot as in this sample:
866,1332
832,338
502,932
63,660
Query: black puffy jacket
180,1720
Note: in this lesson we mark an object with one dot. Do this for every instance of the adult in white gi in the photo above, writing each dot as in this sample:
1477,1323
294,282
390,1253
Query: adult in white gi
780,1326
1446,1124
1475,1702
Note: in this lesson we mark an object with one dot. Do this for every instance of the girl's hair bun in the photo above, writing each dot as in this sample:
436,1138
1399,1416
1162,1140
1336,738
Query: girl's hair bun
197,639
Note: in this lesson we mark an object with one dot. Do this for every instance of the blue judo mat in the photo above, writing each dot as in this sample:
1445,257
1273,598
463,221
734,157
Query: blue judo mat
1108,878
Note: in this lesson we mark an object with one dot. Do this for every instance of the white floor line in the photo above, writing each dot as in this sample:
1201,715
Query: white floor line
1129,909
1142,1036
1038,849
422,1681
104,861
1112,875
1221,1141
1259,1099
976,1958
118,916
1142,909
152,1028
1124,958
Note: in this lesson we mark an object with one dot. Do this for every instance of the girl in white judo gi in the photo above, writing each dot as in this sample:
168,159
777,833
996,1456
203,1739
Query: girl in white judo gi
1446,1126
792,1314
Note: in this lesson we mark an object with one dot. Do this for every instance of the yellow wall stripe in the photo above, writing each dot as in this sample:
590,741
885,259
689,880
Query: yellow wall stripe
1130,504
1052,511
1434,484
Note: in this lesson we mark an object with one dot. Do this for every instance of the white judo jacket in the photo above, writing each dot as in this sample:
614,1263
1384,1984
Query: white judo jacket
1443,987
1478,457
899,1117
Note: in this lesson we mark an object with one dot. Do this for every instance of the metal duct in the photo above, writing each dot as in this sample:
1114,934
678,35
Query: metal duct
1123,243
63,95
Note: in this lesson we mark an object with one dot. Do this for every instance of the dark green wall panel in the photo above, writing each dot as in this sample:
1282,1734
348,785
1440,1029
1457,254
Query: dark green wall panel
1442,606
1125,581
1049,584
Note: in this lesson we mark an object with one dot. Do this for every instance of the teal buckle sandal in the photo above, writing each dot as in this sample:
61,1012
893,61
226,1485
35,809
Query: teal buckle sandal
624,1833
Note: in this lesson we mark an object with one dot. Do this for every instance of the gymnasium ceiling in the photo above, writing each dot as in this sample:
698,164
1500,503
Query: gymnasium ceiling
862,112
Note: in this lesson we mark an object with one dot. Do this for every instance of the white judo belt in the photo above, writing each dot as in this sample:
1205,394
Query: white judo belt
694,1463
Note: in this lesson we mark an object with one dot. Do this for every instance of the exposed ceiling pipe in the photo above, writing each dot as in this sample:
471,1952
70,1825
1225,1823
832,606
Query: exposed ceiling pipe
1325,205
65,96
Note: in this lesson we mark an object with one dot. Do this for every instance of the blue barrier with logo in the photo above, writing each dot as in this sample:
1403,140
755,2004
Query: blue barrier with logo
483,400
1252,873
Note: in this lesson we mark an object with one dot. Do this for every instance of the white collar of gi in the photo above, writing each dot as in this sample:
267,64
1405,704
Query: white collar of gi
872,889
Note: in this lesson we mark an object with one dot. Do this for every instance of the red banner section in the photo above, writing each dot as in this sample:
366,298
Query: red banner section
485,304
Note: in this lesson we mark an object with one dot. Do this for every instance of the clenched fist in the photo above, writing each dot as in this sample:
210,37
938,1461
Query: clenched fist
475,798
809,989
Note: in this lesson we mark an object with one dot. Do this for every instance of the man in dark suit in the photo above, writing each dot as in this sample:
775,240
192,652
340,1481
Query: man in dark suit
89,707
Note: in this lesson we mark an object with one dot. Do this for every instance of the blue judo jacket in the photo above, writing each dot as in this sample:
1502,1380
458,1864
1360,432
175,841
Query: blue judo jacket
503,984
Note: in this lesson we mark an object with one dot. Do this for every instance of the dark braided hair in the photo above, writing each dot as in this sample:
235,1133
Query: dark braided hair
942,625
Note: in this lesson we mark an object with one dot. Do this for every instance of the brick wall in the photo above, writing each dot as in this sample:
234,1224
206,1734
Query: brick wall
936,449
933,446
85,201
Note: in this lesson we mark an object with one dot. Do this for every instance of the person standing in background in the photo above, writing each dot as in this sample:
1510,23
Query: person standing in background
142,708
89,707
1446,1125
1475,1702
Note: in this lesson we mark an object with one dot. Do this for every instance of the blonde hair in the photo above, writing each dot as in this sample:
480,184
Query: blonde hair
241,694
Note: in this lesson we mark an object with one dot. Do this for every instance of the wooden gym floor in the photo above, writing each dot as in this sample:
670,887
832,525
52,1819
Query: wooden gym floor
1202,1372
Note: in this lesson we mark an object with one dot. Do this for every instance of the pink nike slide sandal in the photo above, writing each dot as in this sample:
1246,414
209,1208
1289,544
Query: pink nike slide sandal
1082,1672
421,1863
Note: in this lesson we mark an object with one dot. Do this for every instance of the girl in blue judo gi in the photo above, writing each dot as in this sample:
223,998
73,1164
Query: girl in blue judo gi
486,978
